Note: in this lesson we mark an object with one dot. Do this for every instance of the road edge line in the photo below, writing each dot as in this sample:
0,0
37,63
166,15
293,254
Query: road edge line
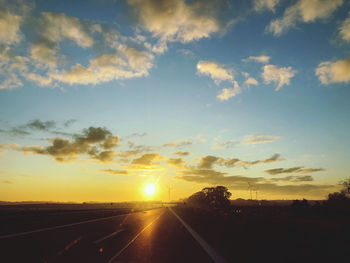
215,256
61,226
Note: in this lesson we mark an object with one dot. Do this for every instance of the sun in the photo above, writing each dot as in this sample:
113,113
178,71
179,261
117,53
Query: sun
150,189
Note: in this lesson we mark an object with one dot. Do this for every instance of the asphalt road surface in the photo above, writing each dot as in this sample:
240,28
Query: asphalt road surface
150,236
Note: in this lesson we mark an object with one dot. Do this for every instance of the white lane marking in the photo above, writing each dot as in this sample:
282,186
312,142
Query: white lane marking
61,226
108,236
132,240
215,256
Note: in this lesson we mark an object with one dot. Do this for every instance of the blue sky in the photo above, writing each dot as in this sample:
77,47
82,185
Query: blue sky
103,97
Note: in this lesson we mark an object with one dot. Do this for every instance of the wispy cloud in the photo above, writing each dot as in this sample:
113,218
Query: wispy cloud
261,59
293,170
178,143
305,11
258,139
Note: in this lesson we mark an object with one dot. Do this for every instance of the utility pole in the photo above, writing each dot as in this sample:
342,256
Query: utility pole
169,190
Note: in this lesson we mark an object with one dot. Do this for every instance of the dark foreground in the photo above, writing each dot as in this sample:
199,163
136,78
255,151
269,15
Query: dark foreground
156,235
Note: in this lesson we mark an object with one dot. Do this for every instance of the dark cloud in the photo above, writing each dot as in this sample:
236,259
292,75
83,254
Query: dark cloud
41,125
298,169
116,172
68,123
182,153
207,162
147,159
177,162
237,182
293,178
94,141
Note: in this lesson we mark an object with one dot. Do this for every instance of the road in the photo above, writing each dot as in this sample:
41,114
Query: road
149,236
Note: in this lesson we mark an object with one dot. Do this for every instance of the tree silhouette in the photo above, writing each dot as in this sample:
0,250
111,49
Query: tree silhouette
216,197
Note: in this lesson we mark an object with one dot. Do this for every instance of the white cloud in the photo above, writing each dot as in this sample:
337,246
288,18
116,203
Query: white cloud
126,63
227,93
214,70
257,139
333,72
44,52
344,30
57,27
176,20
261,59
10,28
306,11
261,5
10,67
251,81
280,76
39,79
218,73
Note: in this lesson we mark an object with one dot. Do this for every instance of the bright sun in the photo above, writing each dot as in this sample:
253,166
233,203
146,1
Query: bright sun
150,189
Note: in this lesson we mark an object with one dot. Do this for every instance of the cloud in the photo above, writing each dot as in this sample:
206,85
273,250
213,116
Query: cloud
224,145
292,178
258,139
280,76
262,5
293,170
57,27
68,123
334,72
238,182
214,70
251,81
261,59
116,172
218,73
344,29
10,68
306,11
274,158
177,20
126,62
10,27
147,159
182,153
207,162
227,93
41,125
6,146
177,162
44,52
138,134
93,142
178,143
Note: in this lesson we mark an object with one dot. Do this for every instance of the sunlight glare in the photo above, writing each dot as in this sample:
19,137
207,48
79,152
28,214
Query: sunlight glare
150,189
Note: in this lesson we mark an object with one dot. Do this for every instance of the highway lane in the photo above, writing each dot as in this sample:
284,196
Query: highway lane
150,236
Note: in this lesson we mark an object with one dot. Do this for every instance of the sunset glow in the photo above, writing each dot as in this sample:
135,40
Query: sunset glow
98,98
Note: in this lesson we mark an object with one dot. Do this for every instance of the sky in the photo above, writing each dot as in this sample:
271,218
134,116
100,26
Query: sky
100,98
